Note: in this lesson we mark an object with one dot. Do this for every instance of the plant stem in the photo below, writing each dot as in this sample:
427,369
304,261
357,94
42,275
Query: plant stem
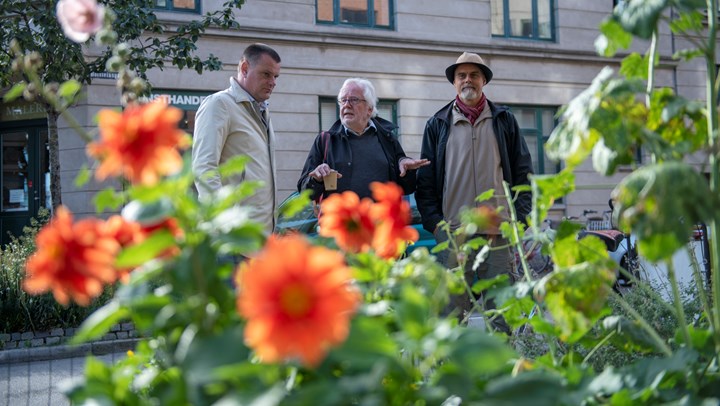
701,286
598,346
644,325
712,119
677,301
516,233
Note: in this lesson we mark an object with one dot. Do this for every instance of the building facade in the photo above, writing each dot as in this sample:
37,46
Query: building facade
542,54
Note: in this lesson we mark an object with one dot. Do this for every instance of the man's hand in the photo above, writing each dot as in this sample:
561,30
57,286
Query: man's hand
408,164
321,171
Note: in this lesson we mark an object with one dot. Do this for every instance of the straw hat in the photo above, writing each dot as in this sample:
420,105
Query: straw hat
467,57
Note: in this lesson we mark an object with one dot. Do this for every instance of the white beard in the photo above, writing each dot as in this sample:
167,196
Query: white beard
468,94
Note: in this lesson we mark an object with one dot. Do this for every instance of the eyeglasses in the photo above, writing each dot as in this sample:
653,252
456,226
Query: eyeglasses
353,101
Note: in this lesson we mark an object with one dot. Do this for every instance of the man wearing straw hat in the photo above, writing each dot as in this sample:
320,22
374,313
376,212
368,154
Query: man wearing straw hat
473,145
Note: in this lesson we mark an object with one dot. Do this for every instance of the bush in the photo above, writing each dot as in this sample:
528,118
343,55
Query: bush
647,304
23,312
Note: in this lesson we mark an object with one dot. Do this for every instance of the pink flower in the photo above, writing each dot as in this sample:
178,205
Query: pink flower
80,18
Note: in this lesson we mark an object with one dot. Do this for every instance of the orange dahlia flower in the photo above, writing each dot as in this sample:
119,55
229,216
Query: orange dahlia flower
347,219
297,299
141,143
73,261
392,215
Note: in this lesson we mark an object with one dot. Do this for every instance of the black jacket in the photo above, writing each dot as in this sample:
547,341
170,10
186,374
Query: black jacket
515,160
339,157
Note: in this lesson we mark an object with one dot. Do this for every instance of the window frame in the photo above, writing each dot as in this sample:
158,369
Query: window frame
170,8
371,17
537,132
507,31
392,104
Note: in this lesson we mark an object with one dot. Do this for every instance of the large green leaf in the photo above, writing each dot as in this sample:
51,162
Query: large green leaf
480,354
367,343
528,388
629,336
412,312
145,251
576,292
660,203
612,38
609,111
640,17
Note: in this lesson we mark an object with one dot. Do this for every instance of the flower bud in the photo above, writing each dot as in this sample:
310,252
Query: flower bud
30,92
137,85
122,50
114,64
33,61
107,37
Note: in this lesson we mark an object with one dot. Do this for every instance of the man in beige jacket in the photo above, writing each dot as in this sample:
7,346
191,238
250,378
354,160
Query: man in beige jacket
236,121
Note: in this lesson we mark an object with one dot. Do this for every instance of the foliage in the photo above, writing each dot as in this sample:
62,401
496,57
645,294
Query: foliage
48,69
24,312
204,344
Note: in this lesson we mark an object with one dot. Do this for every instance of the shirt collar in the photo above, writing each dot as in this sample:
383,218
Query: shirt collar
371,124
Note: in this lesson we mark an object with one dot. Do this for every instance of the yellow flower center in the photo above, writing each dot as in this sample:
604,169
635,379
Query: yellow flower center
296,300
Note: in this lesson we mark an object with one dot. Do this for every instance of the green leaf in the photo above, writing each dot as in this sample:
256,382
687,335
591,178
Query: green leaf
629,335
296,204
412,312
612,38
634,66
486,195
660,203
546,190
108,198
233,166
480,354
640,17
14,92
528,388
205,354
100,322
151,248
367,343
576,293
83,176
69,89
149,213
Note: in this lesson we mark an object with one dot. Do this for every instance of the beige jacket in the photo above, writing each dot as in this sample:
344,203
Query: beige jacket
227,125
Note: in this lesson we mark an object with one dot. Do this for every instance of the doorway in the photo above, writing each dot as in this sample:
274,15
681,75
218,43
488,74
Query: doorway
25,175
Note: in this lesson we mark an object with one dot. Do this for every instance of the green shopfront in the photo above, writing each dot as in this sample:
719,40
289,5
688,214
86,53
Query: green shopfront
25,172
25,176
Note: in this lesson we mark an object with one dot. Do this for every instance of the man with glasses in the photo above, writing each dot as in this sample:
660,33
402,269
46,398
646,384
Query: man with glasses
360,148
474,145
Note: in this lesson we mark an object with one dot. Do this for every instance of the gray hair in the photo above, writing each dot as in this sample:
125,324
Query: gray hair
368,92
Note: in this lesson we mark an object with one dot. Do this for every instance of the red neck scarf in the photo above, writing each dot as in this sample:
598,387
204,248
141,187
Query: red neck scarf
472,113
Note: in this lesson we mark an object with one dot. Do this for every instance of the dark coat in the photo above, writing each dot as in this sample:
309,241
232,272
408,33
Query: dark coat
339,157
515,160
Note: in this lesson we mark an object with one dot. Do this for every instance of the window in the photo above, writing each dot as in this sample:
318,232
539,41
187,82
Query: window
531,19
364,13
536,124
329,112
192,6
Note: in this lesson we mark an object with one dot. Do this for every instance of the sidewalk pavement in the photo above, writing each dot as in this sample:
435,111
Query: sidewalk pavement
36,375
46,353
